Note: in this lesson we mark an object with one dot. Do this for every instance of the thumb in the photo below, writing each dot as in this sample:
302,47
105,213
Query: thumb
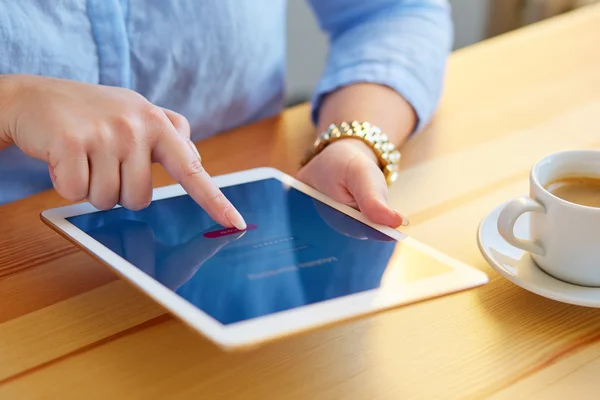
367,185
179,122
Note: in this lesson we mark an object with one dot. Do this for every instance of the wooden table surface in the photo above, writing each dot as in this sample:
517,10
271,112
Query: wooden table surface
70,329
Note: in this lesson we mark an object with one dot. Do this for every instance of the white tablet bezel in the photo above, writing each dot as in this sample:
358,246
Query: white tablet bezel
257,330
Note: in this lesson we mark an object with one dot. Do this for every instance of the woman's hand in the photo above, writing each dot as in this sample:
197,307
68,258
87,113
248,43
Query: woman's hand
99,143
347,171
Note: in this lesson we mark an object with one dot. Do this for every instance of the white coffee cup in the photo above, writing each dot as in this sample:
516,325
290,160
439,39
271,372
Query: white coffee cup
564,236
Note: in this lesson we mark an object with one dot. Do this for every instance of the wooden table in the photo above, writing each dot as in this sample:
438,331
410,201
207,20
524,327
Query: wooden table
70,329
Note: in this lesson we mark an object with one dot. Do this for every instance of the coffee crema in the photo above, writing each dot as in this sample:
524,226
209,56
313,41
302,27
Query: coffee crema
582,190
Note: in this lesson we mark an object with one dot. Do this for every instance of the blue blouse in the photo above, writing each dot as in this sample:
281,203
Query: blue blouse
219,63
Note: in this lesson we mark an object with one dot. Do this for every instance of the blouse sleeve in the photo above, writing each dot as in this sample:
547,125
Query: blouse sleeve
402,44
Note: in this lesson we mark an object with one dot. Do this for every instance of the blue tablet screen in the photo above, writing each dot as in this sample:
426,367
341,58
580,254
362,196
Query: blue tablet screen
297,250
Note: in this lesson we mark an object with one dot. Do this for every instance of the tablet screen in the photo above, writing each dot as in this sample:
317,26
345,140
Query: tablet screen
296,251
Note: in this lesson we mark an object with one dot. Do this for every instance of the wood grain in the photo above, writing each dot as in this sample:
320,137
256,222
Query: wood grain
70,329
44,335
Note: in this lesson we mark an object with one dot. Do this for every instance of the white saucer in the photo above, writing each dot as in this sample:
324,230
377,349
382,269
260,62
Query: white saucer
517,265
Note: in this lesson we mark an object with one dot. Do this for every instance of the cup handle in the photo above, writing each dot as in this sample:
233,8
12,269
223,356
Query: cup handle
508,217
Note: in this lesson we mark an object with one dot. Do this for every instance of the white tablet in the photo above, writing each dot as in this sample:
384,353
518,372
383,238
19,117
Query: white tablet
304,261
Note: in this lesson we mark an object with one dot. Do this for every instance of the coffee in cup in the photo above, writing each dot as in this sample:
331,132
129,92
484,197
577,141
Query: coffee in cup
564,202
583,190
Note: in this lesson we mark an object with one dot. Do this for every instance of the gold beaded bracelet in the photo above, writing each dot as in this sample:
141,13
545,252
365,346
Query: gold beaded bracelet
385,151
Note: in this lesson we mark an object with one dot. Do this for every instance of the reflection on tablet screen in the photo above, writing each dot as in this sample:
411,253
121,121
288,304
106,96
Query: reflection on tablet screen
297,251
